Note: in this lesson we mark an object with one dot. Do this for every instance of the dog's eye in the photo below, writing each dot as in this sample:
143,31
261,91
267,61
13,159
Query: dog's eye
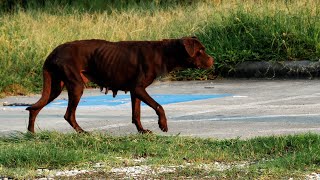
199,52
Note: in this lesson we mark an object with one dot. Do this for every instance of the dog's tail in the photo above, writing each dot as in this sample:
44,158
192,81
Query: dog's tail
46,91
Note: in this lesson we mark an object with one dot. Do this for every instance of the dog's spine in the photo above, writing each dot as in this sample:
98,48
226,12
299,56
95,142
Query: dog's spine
45,92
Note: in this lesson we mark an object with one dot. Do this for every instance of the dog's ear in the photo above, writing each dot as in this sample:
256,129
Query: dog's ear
193,37
192,46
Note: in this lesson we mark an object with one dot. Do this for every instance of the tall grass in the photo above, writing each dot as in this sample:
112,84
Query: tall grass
265,30
233,31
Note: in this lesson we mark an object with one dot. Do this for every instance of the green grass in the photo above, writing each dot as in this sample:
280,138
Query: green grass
280,156
268,31
233,32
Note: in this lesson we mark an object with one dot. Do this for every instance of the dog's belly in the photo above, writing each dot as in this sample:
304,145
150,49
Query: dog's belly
118,81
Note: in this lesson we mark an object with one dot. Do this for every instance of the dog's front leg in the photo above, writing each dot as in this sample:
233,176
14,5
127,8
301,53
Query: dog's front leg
136,111
146,98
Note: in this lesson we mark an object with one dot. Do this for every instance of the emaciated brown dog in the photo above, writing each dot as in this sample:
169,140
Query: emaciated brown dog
125,65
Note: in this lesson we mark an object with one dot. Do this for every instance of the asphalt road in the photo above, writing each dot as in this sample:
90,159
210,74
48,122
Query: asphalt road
247,108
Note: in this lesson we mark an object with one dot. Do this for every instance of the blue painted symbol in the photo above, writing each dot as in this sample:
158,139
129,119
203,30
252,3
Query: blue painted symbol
163,99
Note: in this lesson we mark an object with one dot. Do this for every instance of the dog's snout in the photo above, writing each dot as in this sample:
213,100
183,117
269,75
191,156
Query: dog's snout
210,62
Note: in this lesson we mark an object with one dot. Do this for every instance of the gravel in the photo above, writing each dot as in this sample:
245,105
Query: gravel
313,176
142,171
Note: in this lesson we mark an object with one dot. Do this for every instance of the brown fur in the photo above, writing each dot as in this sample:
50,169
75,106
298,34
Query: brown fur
126,65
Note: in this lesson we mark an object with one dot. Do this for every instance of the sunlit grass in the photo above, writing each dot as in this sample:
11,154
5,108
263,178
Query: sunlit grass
233,32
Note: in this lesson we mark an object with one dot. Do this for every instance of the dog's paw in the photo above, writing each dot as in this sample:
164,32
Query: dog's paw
145,131
163,126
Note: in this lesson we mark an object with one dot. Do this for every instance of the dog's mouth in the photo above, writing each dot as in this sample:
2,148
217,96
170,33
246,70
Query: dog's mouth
205,65
201,63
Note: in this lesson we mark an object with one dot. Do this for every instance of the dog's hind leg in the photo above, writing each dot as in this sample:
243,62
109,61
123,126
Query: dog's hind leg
51,89
75,88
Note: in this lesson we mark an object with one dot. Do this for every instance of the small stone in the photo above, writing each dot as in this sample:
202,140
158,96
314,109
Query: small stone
98,165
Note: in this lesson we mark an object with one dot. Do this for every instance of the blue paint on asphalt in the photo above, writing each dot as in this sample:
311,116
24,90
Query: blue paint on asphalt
163,99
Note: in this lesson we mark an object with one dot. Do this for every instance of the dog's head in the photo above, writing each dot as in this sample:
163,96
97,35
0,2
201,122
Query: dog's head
198,58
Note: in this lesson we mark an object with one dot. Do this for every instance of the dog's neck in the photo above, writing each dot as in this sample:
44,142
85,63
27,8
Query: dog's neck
174,53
